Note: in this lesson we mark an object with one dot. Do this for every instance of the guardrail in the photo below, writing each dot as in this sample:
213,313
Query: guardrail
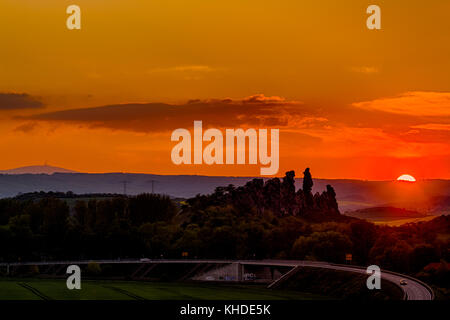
430,290
405,294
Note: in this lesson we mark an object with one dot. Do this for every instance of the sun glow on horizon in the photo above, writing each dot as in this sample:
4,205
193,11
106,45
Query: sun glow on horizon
407,178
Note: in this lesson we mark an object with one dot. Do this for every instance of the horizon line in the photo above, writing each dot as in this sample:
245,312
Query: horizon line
4,172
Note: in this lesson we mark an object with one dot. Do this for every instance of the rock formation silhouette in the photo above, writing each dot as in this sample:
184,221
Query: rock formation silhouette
278,197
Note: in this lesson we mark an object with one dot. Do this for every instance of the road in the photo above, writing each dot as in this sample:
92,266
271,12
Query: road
414,290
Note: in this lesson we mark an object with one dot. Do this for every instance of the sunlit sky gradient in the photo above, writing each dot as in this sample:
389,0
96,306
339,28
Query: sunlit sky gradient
349,102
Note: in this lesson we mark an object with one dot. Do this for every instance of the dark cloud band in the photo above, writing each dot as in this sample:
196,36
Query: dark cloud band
13,101
255,111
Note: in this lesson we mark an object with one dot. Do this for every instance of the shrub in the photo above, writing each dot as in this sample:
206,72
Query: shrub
93,269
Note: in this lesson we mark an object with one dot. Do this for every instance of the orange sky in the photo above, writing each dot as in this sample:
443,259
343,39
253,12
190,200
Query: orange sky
349,102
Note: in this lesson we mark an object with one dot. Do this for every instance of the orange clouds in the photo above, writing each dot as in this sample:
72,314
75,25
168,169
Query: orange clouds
433,126
136,137
365,70
359,103
416,103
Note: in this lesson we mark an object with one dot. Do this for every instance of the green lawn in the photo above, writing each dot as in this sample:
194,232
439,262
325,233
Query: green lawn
35,289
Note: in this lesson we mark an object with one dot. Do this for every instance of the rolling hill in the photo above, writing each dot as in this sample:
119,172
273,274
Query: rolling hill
378,214
45,169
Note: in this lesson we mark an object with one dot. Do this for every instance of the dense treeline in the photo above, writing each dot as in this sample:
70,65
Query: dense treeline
106,228
244,223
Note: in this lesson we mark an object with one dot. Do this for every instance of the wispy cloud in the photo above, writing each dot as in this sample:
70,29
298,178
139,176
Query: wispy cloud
26,127
186,72
185,68
365,70
433,126
416,103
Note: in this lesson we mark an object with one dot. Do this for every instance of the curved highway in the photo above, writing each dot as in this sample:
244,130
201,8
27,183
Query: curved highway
413,290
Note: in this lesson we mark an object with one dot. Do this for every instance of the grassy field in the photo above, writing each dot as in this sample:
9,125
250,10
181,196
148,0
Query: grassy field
396,223
38,289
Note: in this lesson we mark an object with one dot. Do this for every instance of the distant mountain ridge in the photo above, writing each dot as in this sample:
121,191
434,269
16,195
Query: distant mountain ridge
383,213
45,169
431,196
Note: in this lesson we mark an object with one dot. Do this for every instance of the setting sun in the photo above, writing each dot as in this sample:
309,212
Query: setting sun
406,177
